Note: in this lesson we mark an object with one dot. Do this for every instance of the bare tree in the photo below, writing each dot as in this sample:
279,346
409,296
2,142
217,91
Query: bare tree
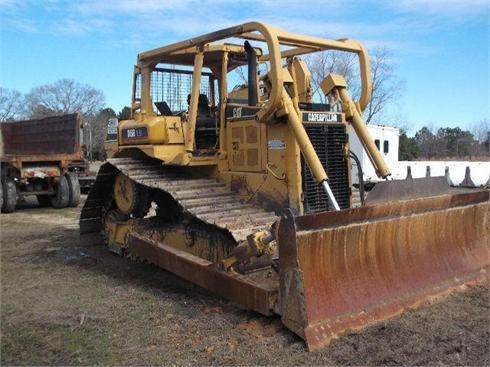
95,131
387,88
64,96
481,132
323,63
481,129
11,105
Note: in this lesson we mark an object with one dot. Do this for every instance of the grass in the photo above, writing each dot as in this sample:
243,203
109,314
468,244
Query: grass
137,314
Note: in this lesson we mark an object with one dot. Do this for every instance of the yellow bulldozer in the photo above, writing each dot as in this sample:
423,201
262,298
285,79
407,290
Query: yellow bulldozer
231,176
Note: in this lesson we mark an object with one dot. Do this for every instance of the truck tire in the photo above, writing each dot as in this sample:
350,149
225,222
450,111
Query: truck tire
9,192
74,190
44,200
1,196
62,197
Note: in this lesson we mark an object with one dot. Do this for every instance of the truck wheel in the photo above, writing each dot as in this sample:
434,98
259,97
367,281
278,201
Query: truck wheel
44,200
1,196
74,190
62,197
9,192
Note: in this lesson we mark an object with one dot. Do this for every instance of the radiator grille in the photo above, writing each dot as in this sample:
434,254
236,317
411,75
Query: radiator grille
329,141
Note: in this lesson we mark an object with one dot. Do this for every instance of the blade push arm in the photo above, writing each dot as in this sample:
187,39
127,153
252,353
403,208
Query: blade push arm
334,81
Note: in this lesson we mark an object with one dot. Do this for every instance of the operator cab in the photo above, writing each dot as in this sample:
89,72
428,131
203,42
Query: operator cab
168,86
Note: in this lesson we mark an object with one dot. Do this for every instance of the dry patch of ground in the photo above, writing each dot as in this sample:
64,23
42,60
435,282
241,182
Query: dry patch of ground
63,304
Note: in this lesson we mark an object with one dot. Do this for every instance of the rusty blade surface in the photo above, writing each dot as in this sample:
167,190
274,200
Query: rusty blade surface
254,293
410,188
346,270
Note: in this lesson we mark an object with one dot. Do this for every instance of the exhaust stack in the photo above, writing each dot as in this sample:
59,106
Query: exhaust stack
252,74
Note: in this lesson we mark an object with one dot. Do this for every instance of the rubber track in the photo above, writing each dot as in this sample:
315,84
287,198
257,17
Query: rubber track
204,198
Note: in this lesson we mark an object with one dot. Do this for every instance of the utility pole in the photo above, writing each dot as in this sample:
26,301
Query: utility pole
89,140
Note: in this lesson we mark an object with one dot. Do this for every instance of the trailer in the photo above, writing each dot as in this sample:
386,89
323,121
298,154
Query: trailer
42,158
86,177
386,139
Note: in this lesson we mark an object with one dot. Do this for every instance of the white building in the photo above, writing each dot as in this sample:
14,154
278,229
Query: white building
386,139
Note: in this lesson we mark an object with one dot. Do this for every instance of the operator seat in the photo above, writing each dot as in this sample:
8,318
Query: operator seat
205,124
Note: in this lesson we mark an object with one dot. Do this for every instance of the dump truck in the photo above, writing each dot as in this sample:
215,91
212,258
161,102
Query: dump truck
242,186
42,158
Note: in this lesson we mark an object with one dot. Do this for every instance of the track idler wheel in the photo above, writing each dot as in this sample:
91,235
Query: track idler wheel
131,198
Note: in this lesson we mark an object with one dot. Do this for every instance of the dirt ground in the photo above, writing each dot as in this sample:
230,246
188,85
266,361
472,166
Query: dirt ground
63,304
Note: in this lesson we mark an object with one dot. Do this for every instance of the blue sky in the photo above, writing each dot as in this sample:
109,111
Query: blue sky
440,48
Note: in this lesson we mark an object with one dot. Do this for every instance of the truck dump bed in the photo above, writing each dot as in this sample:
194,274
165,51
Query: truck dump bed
55,138
42,158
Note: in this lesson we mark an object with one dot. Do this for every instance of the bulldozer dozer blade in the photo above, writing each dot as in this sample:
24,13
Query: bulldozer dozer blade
343,271
411,188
